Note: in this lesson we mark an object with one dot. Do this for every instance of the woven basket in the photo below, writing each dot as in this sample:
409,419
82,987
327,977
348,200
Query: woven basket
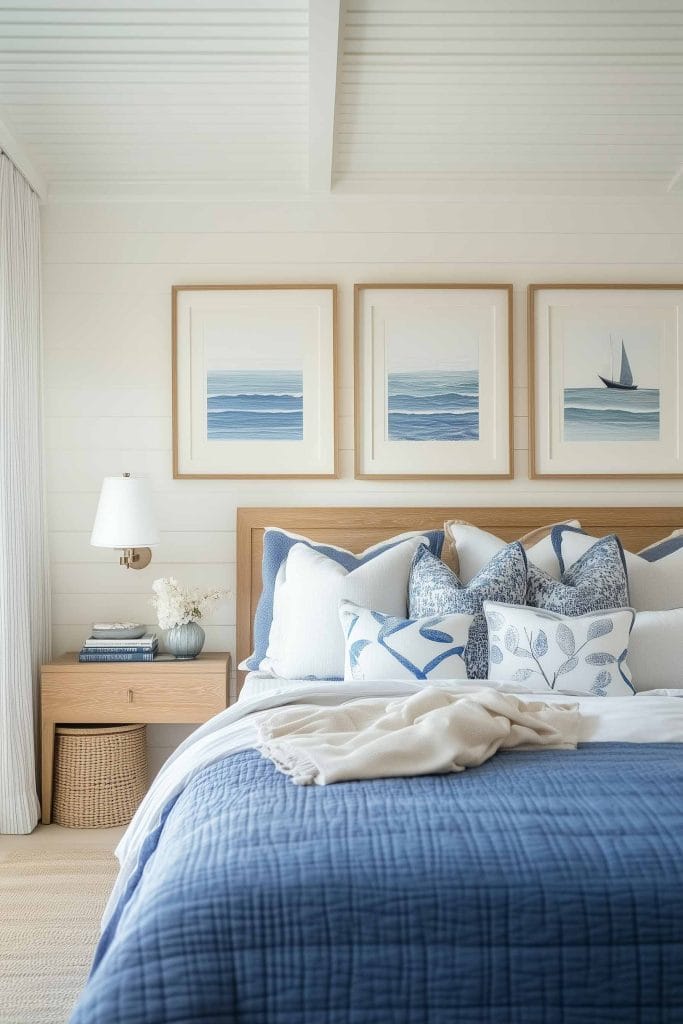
100,774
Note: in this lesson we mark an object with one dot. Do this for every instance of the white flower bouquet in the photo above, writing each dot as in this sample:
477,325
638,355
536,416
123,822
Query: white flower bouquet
177,605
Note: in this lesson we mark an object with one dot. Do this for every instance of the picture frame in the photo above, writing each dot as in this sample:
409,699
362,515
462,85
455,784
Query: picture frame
254,381
605,381
433,381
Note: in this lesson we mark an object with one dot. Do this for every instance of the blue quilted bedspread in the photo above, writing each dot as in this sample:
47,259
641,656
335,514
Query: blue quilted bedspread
541,888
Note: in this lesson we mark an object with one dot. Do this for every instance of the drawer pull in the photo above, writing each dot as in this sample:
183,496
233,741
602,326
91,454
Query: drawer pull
130,696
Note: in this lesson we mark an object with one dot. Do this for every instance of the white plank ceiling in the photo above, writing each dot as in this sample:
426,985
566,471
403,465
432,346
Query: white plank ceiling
570,93
142,94
208,97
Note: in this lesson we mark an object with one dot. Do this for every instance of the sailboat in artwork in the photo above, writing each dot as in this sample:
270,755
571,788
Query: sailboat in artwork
625,382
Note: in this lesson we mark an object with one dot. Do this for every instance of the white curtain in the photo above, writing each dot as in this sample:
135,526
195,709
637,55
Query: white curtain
24,589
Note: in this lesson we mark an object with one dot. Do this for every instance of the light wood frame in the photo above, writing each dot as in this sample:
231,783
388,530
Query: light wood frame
175,289
357,289
534,474
359,528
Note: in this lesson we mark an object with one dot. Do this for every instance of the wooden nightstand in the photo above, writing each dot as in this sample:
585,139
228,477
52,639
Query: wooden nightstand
127,692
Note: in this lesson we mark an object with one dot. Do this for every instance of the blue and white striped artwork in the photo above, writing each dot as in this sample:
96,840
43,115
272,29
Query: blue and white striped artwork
427,406
432,376
254,405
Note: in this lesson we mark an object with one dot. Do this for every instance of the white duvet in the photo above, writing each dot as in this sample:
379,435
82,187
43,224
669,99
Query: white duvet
653,717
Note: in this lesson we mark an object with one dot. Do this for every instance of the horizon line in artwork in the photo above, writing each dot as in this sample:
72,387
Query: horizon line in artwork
426,406
617,411
254,405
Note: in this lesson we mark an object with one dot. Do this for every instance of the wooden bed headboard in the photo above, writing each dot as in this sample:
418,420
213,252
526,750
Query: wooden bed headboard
359,528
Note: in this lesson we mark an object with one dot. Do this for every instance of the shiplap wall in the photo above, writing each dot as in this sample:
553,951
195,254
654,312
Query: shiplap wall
108,271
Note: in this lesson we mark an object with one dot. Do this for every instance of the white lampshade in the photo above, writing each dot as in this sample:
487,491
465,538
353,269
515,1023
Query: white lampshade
125,514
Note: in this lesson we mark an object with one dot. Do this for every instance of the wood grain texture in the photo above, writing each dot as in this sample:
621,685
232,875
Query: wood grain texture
127,692
359,528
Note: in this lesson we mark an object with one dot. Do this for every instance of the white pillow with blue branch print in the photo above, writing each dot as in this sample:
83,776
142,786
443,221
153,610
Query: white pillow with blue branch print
542,650
382,646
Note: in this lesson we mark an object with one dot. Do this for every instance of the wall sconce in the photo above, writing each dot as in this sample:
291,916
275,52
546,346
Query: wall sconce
125,519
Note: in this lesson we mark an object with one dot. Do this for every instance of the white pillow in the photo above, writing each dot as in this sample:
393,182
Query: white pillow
277,544
472,548
655,576
388,647
584,654
655,653
305,638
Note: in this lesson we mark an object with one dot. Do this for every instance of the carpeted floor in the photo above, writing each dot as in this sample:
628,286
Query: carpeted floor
51,901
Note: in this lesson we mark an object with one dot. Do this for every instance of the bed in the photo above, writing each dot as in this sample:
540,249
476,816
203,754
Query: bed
541,887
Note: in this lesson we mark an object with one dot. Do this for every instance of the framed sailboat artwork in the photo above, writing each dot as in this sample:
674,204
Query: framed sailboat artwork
606,380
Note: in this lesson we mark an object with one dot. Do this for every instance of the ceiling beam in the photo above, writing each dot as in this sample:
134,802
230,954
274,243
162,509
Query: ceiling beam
324,38
18,154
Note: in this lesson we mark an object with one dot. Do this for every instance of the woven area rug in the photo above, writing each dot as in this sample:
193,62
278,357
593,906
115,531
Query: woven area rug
51,902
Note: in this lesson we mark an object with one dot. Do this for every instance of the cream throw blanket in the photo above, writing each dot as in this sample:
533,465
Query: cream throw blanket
430,731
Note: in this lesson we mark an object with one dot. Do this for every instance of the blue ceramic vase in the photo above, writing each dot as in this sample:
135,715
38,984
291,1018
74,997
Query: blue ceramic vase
185,641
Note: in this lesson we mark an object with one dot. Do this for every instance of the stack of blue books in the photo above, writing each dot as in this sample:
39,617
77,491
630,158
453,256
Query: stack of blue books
143,649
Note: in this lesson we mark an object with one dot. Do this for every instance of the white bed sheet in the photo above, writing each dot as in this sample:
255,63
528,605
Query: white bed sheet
264,684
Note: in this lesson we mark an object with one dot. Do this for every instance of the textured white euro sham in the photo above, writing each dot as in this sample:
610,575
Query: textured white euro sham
655,653
472,548
306,640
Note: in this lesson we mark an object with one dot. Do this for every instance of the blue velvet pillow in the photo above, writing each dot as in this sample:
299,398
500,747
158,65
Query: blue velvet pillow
276,547
434,589
596,582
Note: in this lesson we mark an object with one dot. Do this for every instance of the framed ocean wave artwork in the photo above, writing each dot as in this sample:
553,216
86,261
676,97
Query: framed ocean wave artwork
606,380
254,381
433,381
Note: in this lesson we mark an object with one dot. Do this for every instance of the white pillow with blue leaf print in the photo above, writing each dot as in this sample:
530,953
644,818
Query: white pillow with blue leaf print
542,650
386,647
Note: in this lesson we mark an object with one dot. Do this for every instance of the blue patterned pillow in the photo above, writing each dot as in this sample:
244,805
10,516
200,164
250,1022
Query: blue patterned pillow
277,545
386,647
596,581
655,575
434,589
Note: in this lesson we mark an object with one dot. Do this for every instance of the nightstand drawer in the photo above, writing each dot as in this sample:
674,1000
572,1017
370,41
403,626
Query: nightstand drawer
123,697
